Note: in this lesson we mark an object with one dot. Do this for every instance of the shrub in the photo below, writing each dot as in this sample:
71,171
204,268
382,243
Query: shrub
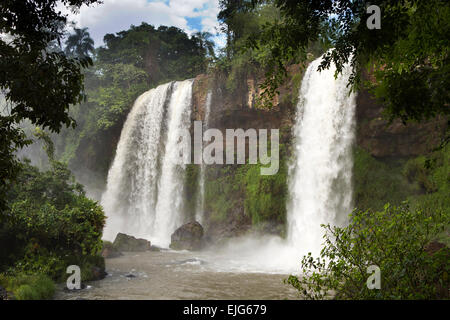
50,223
377,182
24,292
395,240
29,287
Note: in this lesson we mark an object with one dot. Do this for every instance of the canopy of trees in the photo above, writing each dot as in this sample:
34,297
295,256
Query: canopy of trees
408,57
39,83
79,44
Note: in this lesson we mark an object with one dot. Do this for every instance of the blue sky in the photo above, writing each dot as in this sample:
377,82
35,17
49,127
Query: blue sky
116,15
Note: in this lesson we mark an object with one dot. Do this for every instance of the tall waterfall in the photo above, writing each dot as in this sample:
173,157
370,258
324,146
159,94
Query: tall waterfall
320,177
144,193
320,188
201,184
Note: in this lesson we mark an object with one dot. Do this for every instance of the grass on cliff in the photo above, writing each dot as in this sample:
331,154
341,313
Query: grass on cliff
377,182
241,192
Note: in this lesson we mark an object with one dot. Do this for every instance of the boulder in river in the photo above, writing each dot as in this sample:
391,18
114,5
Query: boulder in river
187,237
3,293
125,242
109,251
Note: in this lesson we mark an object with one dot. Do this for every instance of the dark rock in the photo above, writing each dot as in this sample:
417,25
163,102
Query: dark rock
155,248
3,294
187,237
125,242
433,247
130,275
109,251
192,261
394,140
98,273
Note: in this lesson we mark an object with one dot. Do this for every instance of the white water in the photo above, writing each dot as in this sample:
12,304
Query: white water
320,186
143,196
171,184
199,214
320,177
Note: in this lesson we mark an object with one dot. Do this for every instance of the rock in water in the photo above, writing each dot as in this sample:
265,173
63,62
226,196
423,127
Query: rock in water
109,251
187,237
98,273
125,242
3,293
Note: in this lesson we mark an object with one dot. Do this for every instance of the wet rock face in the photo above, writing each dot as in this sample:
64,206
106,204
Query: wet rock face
187,237
394,140
125,242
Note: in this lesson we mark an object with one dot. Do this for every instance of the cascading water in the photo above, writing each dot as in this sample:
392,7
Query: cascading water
319,179
170,186
143,196
320,176
201,184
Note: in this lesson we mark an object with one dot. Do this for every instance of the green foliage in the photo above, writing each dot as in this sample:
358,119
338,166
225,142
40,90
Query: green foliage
408,56
223,190
50,224
12,139
132,62
191,189
432,175
377,182
38,81
29,287
395,240
240,24
424,181
237,192
265,196
79,44
166,53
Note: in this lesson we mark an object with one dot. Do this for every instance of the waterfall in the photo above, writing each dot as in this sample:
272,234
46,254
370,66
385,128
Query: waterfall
144,192
201,183
319,180
320,184
171,183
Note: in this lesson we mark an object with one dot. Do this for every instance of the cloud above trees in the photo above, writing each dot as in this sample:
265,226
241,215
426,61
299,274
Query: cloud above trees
116,15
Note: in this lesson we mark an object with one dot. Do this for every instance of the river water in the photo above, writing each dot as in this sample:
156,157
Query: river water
179,275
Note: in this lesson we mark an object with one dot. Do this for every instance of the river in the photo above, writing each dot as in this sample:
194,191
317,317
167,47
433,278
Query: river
178,275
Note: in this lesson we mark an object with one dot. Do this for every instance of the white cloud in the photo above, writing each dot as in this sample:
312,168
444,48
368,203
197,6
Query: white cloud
116,15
